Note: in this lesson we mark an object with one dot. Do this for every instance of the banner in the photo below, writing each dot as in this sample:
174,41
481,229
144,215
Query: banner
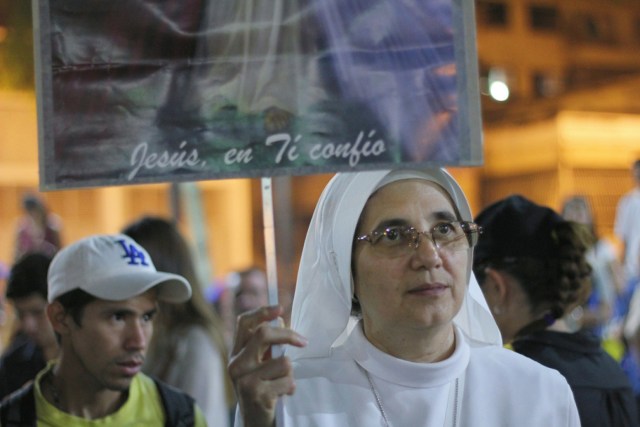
138,91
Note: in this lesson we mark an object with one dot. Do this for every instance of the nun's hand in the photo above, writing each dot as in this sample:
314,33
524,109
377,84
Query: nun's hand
258,379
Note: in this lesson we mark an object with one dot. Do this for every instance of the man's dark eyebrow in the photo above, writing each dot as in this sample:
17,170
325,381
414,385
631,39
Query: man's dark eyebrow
121,311
125,311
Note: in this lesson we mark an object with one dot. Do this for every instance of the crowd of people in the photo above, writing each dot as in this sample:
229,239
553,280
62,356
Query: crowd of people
407,310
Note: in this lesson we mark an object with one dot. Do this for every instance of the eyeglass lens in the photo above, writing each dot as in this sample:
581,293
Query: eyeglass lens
399,240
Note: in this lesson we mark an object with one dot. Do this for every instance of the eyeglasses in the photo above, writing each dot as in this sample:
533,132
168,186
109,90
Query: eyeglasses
401,240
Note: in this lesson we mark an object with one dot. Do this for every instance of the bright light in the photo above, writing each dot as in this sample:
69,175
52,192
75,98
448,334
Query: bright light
499,91
498,88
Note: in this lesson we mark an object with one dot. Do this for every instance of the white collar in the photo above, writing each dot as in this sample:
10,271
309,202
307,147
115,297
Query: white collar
403,372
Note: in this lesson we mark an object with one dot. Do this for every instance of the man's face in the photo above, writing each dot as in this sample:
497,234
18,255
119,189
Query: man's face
32,319
108,348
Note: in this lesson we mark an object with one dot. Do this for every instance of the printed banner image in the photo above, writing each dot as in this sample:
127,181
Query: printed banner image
133,91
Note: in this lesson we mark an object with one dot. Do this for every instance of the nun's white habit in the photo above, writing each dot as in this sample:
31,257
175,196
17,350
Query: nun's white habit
343,380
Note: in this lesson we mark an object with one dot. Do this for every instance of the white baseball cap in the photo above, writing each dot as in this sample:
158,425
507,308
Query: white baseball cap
112,267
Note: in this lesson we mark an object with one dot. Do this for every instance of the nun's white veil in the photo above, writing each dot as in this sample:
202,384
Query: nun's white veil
322,300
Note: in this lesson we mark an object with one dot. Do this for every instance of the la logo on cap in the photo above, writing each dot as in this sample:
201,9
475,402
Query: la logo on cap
135,255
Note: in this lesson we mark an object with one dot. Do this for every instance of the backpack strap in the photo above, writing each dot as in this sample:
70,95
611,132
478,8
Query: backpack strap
19,408
178,406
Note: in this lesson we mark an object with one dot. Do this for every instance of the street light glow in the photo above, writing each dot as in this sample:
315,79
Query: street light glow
499,91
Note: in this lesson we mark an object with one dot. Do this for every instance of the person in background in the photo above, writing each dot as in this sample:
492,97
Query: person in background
3,319
629,307
4,274
607,278
388,325
244,290
627,226
38,230
188,349
35,342
251,291
103,293
532,268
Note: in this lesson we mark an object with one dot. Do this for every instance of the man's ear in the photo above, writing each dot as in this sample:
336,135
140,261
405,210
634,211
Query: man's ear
57,317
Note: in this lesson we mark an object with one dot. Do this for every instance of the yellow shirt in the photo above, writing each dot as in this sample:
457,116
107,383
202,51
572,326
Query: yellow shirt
142,408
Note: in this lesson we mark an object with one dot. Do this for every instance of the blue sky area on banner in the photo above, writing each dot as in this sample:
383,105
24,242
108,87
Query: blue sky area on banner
139,92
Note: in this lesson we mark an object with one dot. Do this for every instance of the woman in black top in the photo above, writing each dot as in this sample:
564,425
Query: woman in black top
531,266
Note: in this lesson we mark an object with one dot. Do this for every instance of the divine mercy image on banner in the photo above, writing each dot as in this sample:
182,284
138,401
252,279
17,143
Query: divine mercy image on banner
136,91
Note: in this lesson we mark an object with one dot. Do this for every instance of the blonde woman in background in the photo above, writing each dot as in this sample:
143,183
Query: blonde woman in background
187,349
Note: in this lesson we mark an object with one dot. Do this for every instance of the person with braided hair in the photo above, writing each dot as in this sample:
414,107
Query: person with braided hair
532,269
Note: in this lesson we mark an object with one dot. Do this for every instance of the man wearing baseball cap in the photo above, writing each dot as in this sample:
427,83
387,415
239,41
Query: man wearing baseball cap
103,294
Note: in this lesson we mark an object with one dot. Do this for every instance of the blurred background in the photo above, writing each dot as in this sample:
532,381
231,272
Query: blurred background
560,84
